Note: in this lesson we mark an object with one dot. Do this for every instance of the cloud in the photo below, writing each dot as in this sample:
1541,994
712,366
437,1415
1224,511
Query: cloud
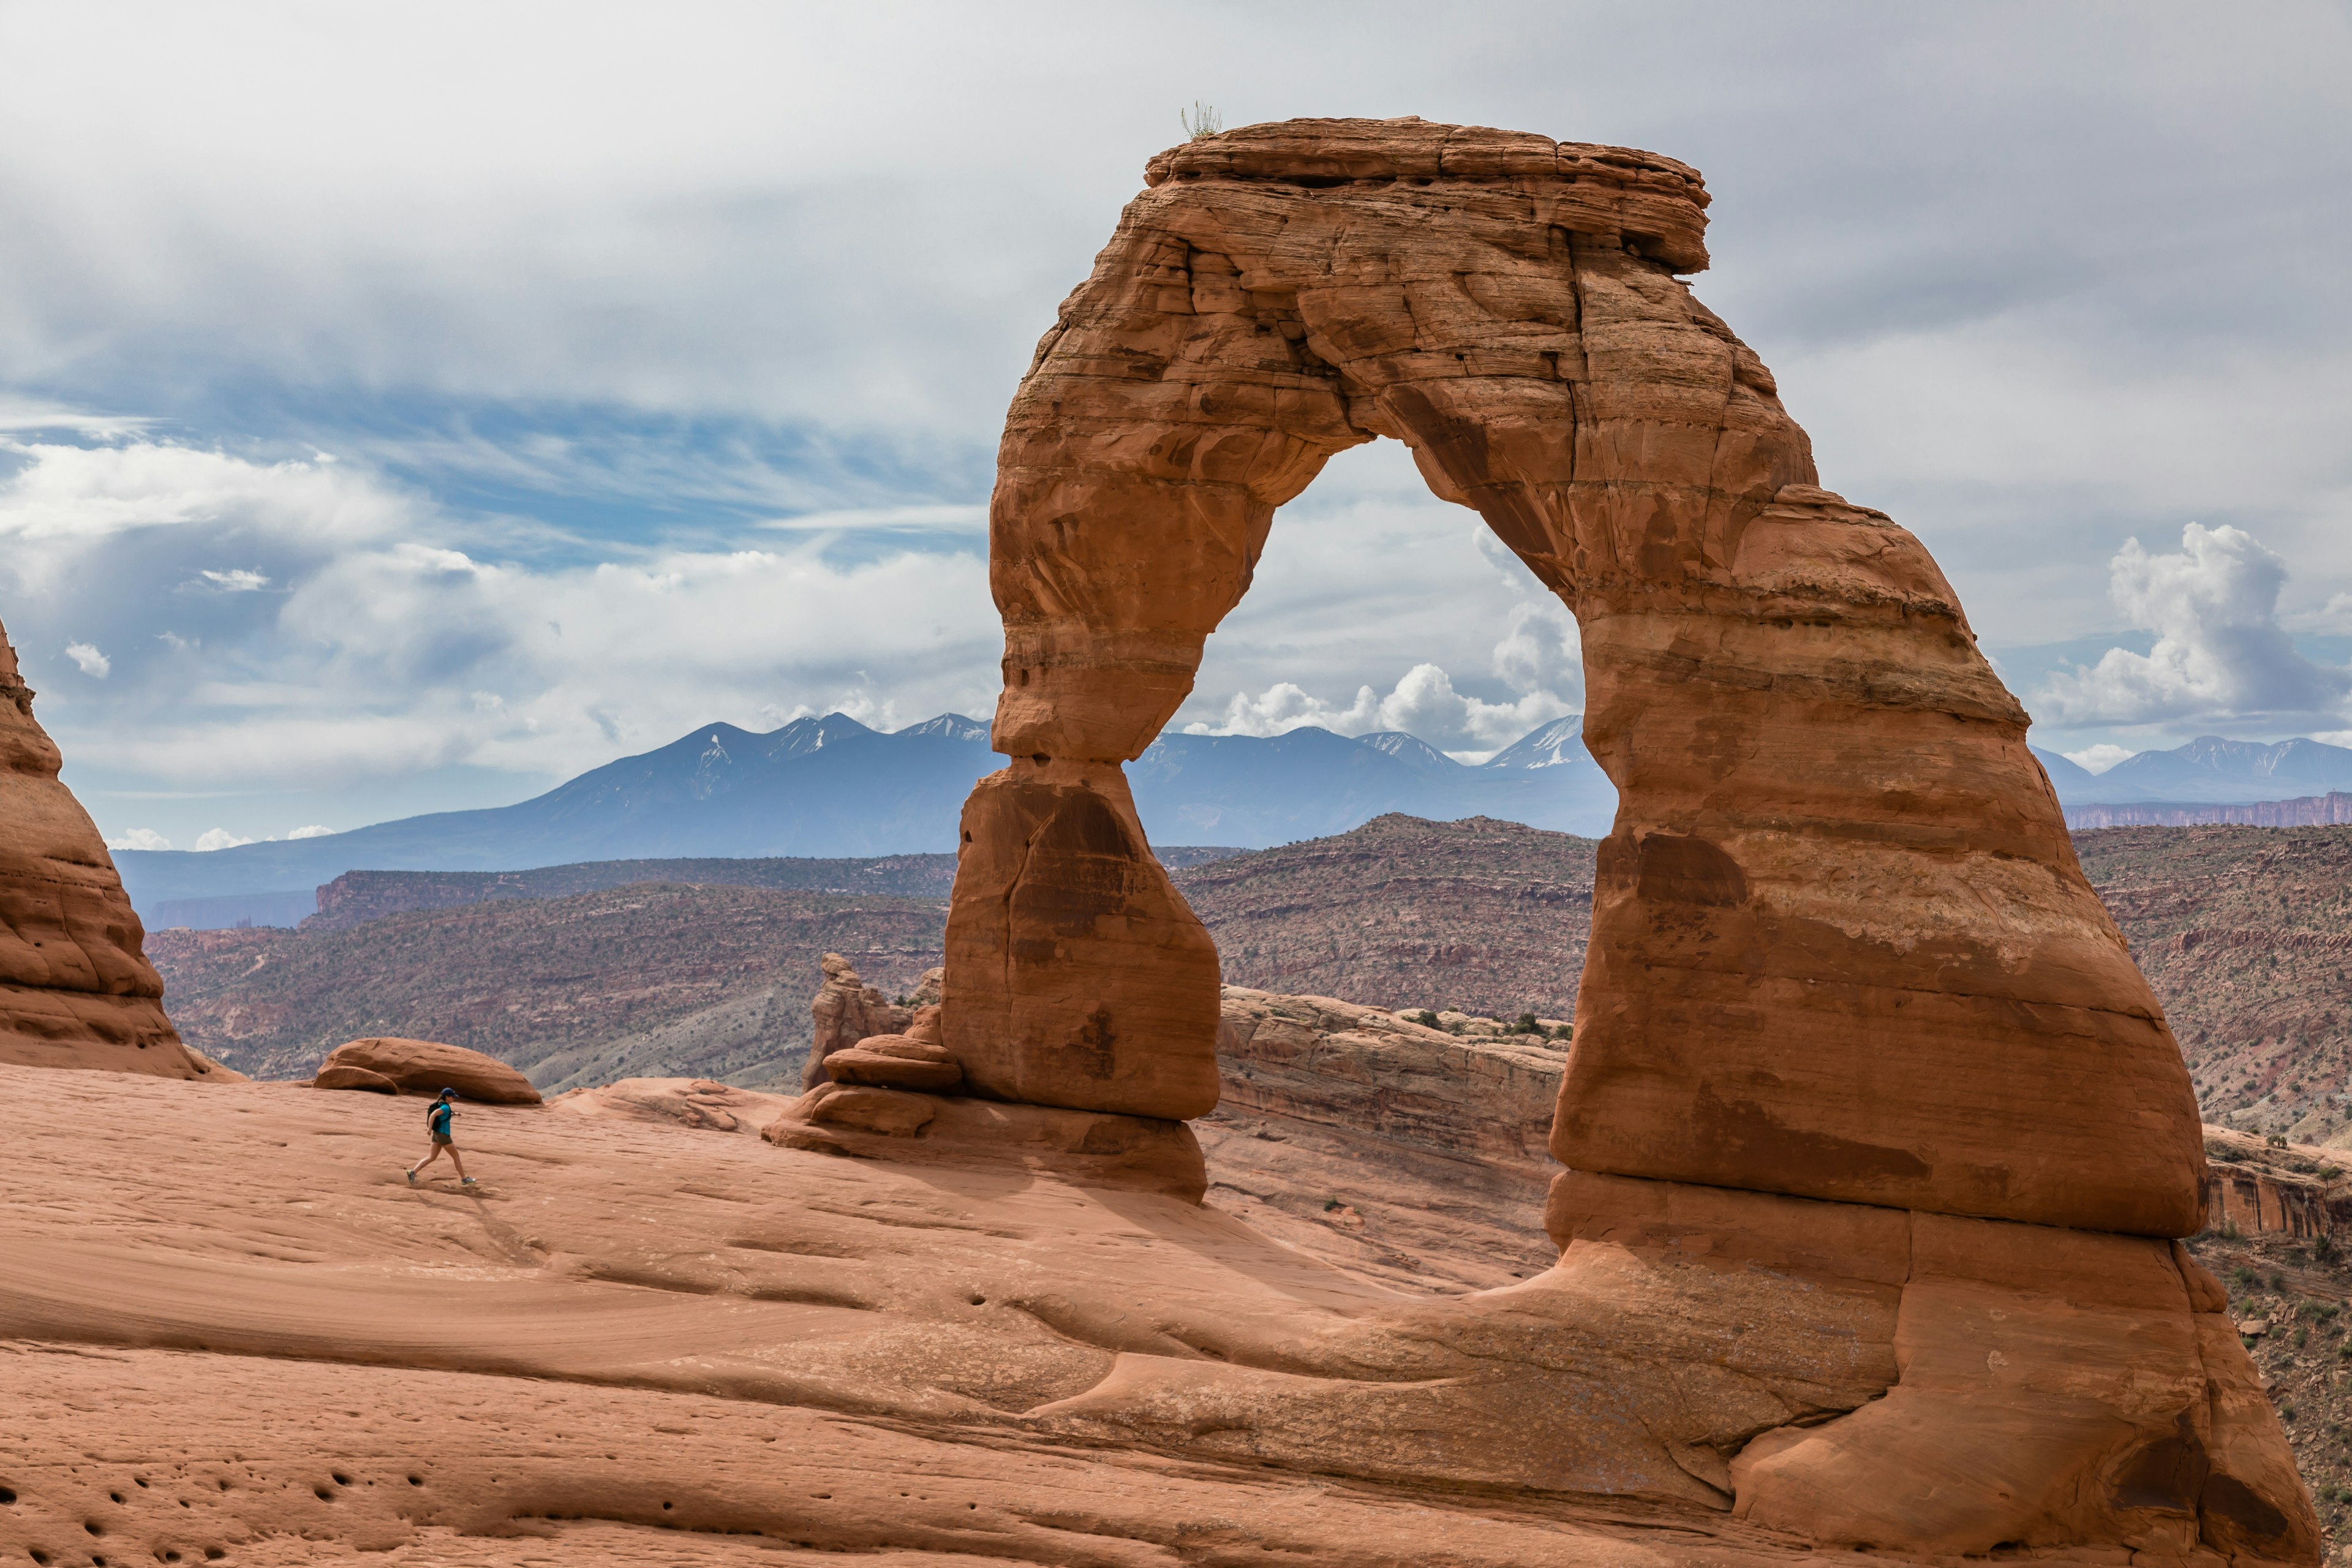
89,659
2098,759
561,325
66,503
139,838
218,839
1423,702
316,830
384,650
2220,651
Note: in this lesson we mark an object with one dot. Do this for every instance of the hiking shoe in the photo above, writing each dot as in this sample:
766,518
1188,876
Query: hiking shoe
411,1175
469,1182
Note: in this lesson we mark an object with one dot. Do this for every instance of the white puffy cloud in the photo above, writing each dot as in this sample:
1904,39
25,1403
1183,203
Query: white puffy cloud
139,838
88,660
384,650
2098,759
2220,652
218,839
315,830
1540,651
1422,702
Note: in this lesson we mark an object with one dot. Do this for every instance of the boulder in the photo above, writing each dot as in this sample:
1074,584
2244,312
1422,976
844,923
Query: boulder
429,1067
870,1109
914,1061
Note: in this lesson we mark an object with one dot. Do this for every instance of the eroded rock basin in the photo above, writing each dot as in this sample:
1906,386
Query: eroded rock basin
228,1324
225,1307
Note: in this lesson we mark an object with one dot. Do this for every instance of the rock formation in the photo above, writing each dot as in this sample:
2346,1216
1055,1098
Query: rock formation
76,988
1851,1012
914,1059
388,1065
1831,827
846,1011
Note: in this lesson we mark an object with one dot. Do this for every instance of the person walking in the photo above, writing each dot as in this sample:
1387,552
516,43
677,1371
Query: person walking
437,1121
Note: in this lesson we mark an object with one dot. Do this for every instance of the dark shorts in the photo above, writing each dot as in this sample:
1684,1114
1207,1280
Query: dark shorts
441,1142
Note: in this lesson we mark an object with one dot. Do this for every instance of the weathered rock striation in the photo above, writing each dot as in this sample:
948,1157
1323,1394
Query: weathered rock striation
1858,1050
76,988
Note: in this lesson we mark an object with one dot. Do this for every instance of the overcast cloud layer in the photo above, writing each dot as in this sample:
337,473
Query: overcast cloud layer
407,407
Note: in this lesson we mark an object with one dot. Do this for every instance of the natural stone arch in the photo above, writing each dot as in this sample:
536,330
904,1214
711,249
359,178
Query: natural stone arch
1842,947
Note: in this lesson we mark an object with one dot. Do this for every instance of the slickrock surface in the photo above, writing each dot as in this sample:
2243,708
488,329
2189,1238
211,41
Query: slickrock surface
814,1325
632,1328
76,988
426,1067
696,1103
1853,1032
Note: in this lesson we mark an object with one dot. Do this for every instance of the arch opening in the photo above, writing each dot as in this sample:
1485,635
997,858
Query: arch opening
1374,607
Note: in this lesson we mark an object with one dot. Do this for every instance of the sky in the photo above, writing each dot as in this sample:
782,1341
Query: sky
407,407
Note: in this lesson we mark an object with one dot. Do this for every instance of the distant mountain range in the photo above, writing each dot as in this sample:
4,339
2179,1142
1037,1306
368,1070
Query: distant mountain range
2208,771
831,787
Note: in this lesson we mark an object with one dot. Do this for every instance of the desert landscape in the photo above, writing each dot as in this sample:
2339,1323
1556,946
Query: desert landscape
1807,1166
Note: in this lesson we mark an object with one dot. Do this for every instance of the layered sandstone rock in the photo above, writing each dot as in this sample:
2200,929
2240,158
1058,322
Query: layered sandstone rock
914,1059
387,1064
844,1011
76,989
1832,830
1858,1054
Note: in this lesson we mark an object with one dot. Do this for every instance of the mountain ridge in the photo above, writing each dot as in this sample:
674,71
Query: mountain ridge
831,787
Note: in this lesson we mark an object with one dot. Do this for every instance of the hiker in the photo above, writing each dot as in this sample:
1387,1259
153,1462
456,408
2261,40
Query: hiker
437,1121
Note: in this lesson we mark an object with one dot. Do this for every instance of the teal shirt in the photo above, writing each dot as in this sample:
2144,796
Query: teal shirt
440,1120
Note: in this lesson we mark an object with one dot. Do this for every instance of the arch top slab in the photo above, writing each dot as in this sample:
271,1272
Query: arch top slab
1841,948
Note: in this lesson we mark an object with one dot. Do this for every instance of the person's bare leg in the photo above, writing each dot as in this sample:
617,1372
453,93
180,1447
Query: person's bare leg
457,1162
417,1169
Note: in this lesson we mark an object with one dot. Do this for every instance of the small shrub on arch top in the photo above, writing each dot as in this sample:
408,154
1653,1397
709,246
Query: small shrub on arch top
1200,122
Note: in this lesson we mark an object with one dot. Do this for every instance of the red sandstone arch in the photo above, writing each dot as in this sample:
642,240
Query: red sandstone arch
1841,948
